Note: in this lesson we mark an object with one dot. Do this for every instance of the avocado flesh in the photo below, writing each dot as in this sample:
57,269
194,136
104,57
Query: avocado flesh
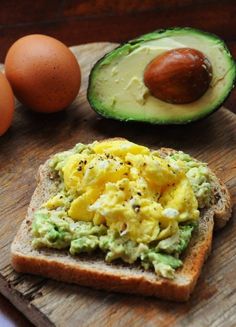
116,88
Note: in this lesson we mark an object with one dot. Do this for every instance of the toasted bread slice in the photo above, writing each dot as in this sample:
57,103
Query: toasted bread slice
91,270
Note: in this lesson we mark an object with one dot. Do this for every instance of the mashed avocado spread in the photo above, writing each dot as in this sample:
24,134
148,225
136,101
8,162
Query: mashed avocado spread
125,201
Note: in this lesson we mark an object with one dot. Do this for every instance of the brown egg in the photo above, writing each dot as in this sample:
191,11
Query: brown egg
43,72
6,104
178,76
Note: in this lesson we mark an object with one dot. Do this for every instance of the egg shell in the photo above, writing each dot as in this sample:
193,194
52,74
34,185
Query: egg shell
6,104
43,72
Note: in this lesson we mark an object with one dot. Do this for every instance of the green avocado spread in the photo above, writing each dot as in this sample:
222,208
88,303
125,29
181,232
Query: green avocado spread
53,228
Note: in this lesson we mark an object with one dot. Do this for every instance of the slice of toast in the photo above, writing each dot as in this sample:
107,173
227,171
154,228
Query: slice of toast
91,270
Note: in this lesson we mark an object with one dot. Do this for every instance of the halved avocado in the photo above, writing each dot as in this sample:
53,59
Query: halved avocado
117,90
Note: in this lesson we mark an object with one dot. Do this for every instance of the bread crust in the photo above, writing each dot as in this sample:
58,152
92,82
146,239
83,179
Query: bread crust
94,271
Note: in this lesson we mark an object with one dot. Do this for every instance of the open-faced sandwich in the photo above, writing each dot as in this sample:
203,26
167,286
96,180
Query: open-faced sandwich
118,216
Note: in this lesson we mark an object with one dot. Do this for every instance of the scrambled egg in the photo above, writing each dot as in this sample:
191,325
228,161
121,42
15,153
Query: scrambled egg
127,187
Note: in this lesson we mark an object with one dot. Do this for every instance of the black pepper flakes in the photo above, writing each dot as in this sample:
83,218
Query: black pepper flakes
136,207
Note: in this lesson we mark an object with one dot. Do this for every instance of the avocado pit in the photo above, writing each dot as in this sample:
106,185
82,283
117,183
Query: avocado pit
178,76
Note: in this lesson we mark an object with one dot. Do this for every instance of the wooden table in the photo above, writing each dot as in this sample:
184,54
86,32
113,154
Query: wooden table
77,22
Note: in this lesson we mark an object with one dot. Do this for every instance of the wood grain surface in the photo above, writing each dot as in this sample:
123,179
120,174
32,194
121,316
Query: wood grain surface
33,137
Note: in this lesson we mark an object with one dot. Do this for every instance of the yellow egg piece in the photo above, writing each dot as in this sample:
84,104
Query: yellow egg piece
79,209
54,202
119,148
128,188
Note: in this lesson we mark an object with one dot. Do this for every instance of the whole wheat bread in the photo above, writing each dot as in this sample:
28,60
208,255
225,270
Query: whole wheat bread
120,277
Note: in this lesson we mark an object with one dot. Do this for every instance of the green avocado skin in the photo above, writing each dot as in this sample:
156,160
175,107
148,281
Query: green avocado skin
203,110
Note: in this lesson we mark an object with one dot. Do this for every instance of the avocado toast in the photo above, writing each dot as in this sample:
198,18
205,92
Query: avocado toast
90,269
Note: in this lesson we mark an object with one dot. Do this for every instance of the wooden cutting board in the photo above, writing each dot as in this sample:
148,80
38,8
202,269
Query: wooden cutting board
34,137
